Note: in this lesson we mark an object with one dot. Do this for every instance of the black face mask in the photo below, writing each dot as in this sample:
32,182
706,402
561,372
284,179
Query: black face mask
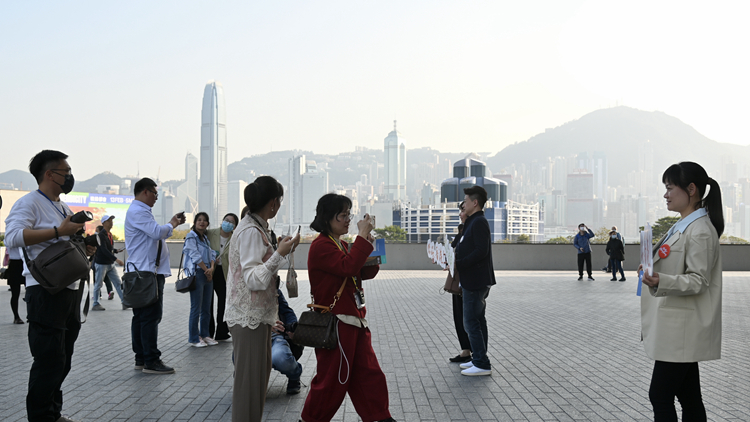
67,185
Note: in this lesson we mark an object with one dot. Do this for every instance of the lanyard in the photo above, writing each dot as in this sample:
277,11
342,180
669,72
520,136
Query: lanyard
53,204
342,250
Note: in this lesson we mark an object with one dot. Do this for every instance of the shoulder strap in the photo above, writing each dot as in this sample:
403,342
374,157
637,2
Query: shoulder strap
158,257
325,309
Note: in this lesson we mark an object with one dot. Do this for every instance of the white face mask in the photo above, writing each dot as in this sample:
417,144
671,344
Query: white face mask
581,229
613,236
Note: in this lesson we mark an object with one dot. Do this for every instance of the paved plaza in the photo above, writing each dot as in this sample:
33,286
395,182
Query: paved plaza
561,350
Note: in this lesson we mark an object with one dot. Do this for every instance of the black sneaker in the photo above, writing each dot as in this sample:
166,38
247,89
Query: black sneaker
622,279
293,387
580,278
460,359
139,365
613,279
591,278
158,367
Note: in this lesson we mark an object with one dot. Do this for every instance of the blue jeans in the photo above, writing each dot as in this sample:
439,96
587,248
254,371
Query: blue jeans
282,358
144,329
101,272
200,307
475,324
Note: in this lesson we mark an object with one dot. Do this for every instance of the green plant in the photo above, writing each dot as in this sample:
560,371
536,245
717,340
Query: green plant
560,240
661,227
392,234
523,238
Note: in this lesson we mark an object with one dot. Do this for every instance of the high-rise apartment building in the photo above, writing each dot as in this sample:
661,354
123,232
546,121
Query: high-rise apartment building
314,185
212,191
395,166
580,199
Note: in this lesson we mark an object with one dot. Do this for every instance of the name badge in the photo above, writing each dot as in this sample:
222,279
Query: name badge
664,251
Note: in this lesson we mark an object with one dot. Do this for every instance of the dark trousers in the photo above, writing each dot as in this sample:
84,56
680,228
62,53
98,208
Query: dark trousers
54,324
15,279
144,329
475,323
458,320
584,257
616,265
219,326
681,380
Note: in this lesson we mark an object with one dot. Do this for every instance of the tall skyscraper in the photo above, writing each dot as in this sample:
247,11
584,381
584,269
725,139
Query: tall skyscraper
601,174
187,193
297,168
213,181
395,166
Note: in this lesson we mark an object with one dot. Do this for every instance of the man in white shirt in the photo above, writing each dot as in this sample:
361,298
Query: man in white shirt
143,235
36,221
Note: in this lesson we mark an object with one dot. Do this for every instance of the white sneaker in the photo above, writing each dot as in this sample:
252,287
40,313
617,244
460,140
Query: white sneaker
476,371
466,365
199,344
209,341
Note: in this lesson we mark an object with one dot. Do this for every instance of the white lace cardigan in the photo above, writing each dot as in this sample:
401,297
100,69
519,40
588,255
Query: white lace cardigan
252,297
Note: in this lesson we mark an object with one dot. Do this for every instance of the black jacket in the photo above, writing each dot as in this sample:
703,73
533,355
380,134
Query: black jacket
104,253
474,254
615,249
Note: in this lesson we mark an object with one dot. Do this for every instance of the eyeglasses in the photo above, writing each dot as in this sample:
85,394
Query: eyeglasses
344,217
156,194
66,171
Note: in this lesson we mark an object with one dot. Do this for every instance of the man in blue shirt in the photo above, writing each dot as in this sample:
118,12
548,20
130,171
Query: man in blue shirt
581,243
143,236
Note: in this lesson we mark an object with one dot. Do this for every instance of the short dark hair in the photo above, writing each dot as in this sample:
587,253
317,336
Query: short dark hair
43,161
329,206
234,216
262,190
142,185
477,193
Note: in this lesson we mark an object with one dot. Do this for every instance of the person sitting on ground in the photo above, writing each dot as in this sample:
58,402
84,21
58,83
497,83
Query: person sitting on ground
284,353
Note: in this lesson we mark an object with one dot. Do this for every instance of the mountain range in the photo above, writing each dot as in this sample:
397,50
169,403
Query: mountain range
615,131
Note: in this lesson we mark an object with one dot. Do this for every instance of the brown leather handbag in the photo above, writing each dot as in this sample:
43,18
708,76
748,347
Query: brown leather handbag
452,284
318,329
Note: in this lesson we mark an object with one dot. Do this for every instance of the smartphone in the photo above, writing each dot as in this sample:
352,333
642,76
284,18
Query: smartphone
296,232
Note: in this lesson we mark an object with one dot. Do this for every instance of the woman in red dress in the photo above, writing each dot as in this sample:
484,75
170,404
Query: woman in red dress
352,367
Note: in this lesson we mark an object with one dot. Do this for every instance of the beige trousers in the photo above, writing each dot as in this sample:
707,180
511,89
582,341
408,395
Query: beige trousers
252,370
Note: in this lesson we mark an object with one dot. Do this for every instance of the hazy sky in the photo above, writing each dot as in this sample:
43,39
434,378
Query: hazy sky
123,82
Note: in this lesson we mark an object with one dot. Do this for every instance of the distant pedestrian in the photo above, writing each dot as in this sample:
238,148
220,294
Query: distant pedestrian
145,240
200,261
220,239
14,274
104,262
616,252
582,245
681,304
458,305
474,264
252,305
608,268
38,220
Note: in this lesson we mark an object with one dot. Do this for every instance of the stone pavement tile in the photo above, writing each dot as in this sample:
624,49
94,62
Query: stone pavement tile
560,350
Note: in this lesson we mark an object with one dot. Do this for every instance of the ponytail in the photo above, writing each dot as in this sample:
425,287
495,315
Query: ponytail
712,204
263,190
687,172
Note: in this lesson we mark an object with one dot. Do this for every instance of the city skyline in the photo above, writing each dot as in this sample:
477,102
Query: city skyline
329,76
